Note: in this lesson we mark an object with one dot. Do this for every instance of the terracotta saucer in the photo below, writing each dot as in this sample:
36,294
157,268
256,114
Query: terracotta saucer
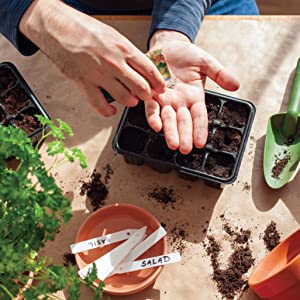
113,218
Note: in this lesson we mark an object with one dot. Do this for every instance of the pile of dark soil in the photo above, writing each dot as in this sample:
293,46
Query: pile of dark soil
69,259
15,100
27,122
95,189
241,237
230,281
7,80
280,164
234,114
271,236
164,196
220,165
227,139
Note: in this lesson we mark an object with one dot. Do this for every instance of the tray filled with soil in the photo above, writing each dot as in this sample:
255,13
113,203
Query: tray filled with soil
18,104
229,124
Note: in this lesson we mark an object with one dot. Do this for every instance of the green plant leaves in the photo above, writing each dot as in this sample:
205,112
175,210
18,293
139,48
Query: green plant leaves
32,207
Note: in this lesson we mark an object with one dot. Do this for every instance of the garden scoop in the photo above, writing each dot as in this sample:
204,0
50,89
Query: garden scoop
282,144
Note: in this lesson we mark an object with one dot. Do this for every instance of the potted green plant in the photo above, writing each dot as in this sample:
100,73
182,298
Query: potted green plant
32,208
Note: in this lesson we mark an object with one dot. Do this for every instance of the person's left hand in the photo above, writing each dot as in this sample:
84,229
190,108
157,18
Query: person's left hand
181,110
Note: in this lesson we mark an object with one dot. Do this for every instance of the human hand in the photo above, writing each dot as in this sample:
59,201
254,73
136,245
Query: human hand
92,54
181,110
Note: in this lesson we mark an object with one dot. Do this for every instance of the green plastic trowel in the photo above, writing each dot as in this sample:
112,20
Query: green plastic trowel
282,144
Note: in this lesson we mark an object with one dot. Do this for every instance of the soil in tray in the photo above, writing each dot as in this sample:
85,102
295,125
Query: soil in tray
210,133
219,164
213,107
234,114
227,139
133,140
193,160
7,79
27,122
15,100
2,116
158,149
136,116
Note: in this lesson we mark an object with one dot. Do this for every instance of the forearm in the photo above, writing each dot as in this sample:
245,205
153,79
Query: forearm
11,13
182,16
49,23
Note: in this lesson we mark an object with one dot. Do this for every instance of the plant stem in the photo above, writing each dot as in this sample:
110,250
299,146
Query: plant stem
53,164
44,136
7,291
59,163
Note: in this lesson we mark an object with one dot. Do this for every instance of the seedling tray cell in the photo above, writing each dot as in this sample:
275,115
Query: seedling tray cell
230,121
18,104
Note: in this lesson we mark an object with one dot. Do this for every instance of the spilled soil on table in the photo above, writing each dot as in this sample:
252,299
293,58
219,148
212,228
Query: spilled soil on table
165,196
231,280
96,189
271,236
177,234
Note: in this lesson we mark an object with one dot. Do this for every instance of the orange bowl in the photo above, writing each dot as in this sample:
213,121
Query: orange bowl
277,277
113,218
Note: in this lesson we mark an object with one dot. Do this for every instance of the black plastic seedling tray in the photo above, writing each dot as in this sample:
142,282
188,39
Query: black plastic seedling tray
18,104
230,122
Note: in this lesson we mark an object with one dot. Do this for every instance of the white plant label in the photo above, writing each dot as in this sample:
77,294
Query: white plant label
146,263
102,241
108,262
142,247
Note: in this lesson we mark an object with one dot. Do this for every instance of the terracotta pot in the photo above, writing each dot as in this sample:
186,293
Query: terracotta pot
28,284
277,277
113,218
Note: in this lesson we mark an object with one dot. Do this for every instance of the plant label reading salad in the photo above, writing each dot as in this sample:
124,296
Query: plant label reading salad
150,262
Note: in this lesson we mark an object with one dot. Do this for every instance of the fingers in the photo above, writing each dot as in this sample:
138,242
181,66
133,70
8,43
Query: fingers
200,124
185,130
152,110
182,128
214,70
120,93
168,116
136,83
147,69
96,99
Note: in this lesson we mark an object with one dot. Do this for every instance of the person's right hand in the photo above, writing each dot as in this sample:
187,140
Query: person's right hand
92,54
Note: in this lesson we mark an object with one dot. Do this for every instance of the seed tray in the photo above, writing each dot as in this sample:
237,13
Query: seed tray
230,121
18,104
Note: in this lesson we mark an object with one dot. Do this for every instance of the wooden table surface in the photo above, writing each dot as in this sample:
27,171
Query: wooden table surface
262,52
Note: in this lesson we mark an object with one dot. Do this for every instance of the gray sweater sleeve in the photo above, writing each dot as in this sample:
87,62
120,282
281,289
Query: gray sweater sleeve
184,16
